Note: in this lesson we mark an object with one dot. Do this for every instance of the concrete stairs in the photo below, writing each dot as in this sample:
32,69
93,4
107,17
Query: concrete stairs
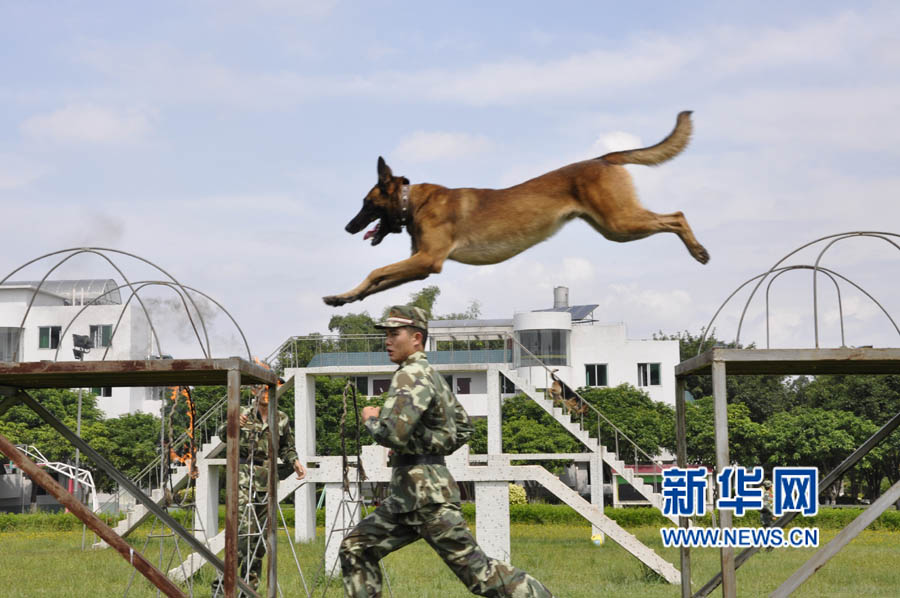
609,457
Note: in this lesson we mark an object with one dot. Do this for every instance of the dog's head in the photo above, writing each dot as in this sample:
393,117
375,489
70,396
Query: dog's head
382,203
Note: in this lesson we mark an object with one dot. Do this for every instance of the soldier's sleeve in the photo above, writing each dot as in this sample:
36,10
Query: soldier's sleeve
401,411
286,447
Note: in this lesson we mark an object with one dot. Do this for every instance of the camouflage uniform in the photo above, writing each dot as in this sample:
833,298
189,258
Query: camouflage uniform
253,486
422,417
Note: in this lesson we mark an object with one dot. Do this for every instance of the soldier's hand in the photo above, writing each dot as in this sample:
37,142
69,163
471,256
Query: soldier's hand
243,419
301,472
370,411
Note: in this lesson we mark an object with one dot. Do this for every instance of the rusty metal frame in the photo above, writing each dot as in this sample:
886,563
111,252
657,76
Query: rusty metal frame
720,362
17,378
46,481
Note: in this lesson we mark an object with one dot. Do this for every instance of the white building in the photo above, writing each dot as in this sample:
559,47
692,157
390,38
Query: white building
583,351
63,308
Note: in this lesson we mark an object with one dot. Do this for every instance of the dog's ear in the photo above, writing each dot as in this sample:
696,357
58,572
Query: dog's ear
384,171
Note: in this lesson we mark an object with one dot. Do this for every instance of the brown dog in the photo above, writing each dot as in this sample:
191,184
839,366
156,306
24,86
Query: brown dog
488,226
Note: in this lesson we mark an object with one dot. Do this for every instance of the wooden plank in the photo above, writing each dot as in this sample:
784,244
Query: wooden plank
824,554
795,361
153,372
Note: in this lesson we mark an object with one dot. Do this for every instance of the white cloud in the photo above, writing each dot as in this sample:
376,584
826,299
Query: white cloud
425,146
577,269
89,124
18,173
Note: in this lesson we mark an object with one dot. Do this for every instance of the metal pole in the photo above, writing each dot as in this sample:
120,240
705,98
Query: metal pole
232,453
681,456
272,521
38,476
78,452
824,554
162,442
825,482
104,465
729,582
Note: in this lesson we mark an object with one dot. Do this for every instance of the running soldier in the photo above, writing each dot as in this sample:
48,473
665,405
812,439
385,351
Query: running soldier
422,421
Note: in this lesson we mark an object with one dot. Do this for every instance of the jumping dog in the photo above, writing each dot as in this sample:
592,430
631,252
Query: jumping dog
488,226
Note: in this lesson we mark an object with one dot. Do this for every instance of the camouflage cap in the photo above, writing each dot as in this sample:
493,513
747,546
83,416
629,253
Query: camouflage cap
404,315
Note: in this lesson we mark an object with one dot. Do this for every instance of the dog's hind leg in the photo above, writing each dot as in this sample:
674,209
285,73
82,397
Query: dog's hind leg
639,223
417,267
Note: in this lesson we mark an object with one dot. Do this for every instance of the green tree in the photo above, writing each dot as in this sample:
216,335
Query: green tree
329,409
472,312
810,436
763,395
529,429
746,437
23,426
130,442
649,424
361,323
872,397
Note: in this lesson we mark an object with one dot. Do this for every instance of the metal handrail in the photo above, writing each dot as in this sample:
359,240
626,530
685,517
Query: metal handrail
506,336
216,409
596,411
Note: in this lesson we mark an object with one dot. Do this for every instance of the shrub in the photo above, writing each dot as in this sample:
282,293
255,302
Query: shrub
517,495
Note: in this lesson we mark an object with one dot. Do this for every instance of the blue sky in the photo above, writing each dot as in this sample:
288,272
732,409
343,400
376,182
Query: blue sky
231,143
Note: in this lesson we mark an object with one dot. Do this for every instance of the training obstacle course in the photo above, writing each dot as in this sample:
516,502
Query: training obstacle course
721,362
18,378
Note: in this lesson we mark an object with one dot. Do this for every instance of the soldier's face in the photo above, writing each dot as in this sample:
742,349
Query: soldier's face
401,343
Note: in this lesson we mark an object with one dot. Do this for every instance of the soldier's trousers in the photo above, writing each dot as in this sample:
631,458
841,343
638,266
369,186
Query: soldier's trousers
443,527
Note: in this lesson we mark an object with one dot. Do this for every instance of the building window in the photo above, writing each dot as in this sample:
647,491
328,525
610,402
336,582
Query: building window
104,391
448,378
506,386
380,386
10,339
549,346
362,384
648,374
595,374
463,385
48,337
101,335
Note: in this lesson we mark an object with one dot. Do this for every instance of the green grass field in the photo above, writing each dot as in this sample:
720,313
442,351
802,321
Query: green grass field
42,563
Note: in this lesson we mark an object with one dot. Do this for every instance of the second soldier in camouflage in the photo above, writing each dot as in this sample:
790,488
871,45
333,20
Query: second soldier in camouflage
253,482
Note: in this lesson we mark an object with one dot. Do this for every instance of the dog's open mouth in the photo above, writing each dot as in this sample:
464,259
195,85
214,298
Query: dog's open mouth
376,233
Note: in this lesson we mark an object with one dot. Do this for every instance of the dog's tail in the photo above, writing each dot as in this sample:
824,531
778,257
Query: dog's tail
666,149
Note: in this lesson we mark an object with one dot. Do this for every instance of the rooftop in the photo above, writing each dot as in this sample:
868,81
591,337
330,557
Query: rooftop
100,291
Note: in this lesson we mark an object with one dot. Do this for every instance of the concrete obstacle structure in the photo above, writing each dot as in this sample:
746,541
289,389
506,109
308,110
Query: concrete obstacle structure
490,473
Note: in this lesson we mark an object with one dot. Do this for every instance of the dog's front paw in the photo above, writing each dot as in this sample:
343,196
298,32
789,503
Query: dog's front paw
700,254
334,300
